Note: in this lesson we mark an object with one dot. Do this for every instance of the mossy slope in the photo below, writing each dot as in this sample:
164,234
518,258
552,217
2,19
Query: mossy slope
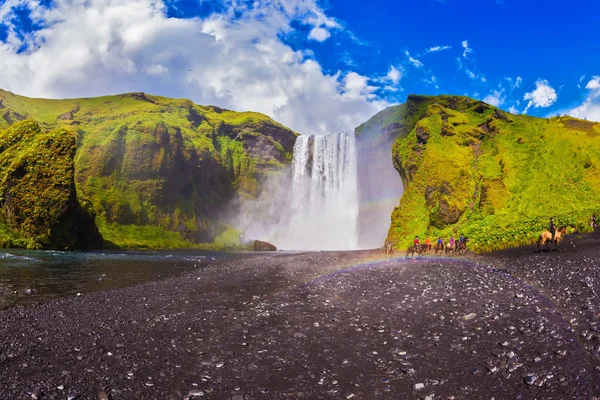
160,172
470,168
38,202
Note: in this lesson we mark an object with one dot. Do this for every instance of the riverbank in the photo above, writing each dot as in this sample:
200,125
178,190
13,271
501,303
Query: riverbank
322,325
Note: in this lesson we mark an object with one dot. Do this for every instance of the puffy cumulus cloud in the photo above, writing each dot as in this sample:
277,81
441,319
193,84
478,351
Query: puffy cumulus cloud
496,98
590,108
394,75
513,110
234,58
319,34
543,96
594,84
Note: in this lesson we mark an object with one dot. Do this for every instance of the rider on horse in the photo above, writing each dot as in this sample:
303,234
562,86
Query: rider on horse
461,239
416,242
552,229
428,243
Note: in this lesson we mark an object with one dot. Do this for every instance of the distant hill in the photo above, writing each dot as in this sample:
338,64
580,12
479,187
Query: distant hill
156,172
468,167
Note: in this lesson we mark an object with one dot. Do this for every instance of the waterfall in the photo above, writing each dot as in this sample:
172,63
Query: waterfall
324,194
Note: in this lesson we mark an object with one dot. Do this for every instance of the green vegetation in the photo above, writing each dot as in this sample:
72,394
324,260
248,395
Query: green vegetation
38,202
158,172
470,168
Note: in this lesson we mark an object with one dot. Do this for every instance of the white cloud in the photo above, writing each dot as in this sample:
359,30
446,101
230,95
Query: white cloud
394,75
416,63
594,84
496,98
319,34
590,108
518,83
581,79
436,49
234,59
543,96
513,110
467,49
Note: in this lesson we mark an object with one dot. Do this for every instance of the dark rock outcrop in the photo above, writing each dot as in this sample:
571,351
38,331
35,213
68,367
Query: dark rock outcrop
259,245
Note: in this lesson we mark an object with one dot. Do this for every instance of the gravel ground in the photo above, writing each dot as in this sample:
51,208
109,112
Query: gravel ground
327,325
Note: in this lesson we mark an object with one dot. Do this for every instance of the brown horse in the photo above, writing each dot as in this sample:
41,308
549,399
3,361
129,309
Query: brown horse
451,248
414,251
546,238
389,249
462,247
439,247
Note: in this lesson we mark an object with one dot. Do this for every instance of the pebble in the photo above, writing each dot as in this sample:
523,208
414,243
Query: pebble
196,393
73,396
530,379
419,386
102,395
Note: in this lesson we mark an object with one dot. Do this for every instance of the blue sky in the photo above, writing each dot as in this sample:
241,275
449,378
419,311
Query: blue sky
315,66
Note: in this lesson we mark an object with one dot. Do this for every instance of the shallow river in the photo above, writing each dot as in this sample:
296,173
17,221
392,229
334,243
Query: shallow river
28,276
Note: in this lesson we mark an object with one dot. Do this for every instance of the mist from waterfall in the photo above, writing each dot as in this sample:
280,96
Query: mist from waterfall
324,194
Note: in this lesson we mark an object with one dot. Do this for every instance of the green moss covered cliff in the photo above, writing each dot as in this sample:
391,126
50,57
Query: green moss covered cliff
39,207
156,172
470,168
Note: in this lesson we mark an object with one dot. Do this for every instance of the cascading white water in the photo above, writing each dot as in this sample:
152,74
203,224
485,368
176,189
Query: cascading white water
324,194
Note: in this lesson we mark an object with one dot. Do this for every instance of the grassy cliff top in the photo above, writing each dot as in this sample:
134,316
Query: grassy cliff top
159,172
468,167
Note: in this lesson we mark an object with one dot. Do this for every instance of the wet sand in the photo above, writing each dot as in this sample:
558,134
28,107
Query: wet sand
327,325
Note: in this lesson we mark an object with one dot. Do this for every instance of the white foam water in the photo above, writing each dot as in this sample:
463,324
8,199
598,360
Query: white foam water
324,194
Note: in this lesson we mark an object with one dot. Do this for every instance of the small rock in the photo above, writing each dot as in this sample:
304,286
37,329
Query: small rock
102,395
530,379
74,396
149,383
196,393
469,316
419,386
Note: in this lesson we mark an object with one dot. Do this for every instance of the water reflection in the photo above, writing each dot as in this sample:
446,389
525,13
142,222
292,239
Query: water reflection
28,276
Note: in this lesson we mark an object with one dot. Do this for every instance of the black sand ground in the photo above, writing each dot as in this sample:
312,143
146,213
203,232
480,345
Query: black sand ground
323,326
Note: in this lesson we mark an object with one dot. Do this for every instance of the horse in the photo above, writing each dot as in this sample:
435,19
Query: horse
439,247
415,250
389,249
451,248
546,237
462,247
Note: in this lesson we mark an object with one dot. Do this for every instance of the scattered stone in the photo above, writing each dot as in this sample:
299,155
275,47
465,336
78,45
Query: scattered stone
419,386
196,393
529,379
469,316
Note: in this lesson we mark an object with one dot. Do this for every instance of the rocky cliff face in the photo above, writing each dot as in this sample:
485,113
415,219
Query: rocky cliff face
470,168
39,207
161,172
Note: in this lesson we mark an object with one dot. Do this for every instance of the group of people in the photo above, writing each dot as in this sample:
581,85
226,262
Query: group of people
440,241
